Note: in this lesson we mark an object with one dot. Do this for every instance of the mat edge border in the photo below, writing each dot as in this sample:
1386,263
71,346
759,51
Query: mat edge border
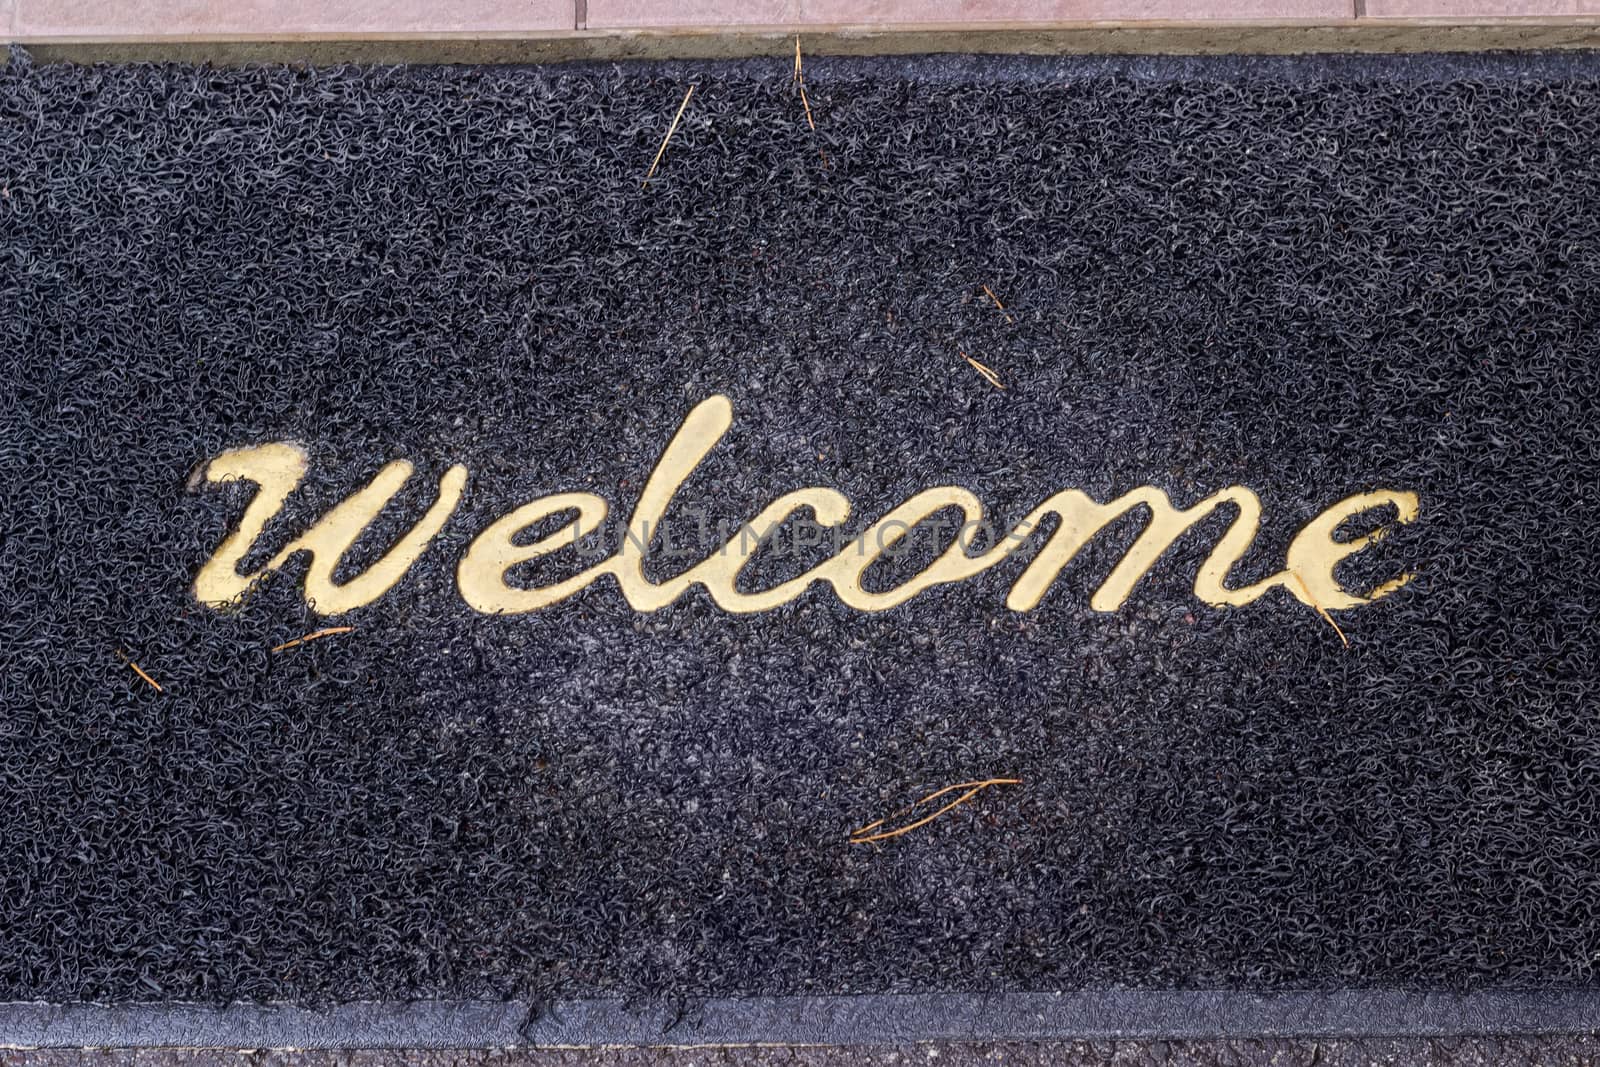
806,1020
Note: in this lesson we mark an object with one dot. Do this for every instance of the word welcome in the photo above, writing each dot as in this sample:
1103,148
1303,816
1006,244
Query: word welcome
278,468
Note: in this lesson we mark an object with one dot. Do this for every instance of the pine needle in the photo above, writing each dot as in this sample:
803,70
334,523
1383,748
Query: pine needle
799,80
972,790
654,163
329,632
999,305
151,682
1320,609
988,374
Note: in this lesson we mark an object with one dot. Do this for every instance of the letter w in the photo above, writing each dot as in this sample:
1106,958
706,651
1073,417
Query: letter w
277,469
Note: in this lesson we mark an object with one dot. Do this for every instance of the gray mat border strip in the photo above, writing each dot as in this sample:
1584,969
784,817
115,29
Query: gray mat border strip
1528,56
1469,35
807,1020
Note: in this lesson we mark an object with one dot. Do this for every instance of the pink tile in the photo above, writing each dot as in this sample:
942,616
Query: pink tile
642,14
187,18
886,12
1478,8
608,14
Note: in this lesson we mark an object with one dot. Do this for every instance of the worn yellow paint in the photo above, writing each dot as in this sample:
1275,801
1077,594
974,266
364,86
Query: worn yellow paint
278,468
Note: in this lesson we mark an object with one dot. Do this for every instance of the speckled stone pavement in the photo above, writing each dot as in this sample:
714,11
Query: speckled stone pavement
1475,1052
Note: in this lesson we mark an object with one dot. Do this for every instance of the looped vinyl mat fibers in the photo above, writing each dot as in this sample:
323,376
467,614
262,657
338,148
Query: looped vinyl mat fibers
1310,278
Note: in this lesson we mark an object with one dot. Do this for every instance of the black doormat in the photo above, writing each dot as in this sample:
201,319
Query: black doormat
1363,293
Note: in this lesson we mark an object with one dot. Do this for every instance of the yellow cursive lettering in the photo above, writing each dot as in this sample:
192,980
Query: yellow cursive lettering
277,470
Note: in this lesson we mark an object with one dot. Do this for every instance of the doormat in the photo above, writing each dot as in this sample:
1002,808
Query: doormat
844,550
